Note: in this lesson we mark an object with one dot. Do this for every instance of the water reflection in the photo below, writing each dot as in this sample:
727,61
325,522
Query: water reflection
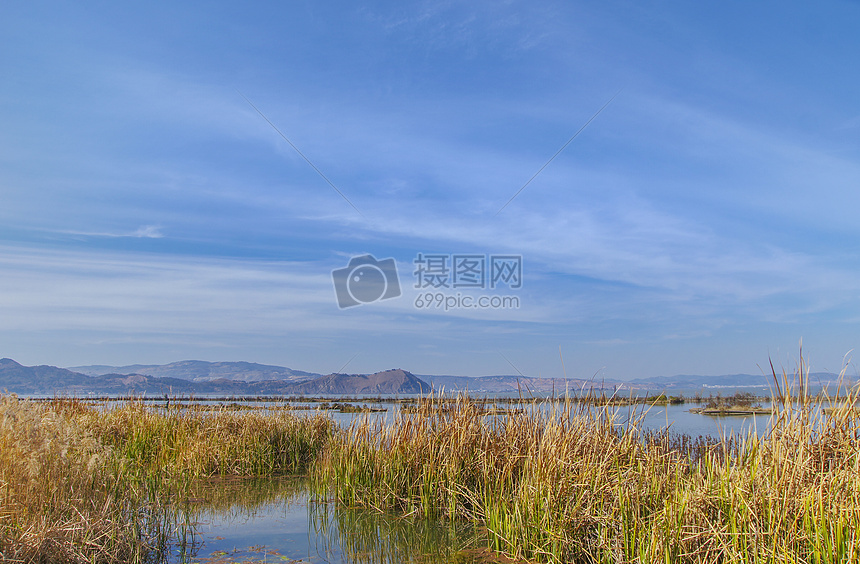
366,537
676,417
237,519
277,520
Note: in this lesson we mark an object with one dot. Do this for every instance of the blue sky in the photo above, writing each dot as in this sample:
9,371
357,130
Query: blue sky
705,220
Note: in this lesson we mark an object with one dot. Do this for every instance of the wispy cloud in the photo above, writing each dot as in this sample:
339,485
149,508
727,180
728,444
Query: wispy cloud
142,232
148,231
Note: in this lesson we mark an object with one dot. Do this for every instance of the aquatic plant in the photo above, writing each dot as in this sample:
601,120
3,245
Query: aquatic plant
566,483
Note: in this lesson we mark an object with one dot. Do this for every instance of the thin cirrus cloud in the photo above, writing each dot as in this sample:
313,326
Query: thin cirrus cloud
142,232
633,241
91,289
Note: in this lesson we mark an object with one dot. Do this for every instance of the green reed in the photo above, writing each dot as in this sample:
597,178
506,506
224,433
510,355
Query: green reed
192,443
567,484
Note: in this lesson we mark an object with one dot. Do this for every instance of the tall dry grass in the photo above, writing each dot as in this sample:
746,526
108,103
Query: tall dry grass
57,501
566,484
82,485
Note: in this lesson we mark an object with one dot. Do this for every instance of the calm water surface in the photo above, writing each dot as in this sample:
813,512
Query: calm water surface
677,418
279,521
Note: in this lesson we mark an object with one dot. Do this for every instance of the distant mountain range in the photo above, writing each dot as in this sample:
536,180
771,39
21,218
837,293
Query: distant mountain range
34,379
313,383
201,371
196,377
247,378
764,381
511,384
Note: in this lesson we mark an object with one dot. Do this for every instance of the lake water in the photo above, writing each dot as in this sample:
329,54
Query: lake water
278,521
677,418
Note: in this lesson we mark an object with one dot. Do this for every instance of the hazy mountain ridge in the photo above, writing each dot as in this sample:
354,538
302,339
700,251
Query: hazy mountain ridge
510,384
48,380
203,371
764,381
36,379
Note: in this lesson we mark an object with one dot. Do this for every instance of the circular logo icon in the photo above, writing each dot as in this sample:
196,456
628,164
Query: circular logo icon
367,283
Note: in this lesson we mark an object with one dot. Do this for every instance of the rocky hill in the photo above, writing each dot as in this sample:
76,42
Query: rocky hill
387,382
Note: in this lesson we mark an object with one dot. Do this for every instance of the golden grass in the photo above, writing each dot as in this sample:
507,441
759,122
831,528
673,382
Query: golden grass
565,484
82,485
57,500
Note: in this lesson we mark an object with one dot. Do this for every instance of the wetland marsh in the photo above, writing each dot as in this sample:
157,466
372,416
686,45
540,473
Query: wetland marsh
446,480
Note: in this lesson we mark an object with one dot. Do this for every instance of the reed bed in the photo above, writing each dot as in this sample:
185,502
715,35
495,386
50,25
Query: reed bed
82,485
57,501
195,443
568,484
